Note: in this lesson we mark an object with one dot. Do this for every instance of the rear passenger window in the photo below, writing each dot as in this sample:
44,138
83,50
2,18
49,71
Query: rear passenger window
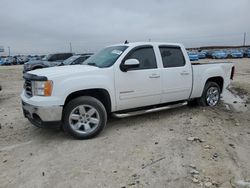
145,56
172,57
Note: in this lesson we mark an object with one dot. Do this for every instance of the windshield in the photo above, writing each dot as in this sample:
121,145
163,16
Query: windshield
70,60
106,57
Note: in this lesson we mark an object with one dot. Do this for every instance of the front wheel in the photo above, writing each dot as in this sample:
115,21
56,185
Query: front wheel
210,95
84,117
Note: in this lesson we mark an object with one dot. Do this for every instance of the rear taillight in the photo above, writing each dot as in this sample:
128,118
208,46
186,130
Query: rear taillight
232,73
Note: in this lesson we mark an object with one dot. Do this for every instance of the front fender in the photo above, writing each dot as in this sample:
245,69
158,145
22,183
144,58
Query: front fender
63,88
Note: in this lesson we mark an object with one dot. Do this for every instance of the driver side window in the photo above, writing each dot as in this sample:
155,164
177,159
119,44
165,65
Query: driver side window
145,56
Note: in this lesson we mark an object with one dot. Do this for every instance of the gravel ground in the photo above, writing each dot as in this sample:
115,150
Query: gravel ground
184,147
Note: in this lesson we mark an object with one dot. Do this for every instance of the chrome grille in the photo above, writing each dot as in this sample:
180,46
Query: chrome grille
28,87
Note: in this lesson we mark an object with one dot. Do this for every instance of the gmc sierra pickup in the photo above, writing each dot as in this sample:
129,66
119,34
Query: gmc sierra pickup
122,80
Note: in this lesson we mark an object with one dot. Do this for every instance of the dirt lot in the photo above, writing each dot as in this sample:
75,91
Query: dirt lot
145,151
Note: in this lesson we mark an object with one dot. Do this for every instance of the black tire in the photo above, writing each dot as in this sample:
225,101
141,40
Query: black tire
202,101
84,100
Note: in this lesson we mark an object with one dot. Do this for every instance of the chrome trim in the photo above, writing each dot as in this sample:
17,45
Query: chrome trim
28,87
154,76
48,113
140,112
124,92
84,119
184,73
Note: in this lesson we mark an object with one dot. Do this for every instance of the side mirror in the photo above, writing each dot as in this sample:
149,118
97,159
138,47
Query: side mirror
130,64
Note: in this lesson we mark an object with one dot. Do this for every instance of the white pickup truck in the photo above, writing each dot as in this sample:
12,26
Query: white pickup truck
122,80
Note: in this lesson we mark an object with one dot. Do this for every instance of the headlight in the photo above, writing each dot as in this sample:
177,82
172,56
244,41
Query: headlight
43,88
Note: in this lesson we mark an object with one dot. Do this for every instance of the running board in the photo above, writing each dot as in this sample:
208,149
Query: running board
140,112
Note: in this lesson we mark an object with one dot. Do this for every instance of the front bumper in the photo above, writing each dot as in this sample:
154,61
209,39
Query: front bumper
41,115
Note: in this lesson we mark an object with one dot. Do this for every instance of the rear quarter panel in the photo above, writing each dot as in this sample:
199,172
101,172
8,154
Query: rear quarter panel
202,72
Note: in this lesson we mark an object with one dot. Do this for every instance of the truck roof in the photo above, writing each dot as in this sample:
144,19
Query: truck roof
134,44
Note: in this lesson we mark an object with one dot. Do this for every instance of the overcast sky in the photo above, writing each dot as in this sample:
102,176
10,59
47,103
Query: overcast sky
45,26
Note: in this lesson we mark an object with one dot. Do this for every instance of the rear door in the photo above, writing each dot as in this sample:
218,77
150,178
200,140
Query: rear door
139,86
176,73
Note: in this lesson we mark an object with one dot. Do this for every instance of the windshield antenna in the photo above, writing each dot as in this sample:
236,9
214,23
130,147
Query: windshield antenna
126,42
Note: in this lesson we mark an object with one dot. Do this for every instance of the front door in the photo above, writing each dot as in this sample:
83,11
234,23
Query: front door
139,86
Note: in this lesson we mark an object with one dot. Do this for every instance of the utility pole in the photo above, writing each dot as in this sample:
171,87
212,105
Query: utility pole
70,47
9,50
244,40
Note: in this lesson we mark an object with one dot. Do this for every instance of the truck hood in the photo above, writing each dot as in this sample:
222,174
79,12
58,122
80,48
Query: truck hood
65,71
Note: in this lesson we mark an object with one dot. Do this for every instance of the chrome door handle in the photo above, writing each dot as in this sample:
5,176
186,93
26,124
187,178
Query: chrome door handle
154,76
184,73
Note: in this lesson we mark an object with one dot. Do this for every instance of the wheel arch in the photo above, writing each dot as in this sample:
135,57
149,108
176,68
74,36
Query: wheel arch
99,93
217,79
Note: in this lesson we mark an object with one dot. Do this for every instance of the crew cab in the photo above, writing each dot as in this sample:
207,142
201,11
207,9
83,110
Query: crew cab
121,80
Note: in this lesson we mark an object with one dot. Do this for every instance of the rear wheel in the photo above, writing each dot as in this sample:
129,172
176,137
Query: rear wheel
210,95
84,117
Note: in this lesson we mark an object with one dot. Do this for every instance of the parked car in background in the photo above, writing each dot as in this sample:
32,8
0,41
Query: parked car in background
219,55
35,57
76,59
50,60
236,54
193,56
247,53
209,53
24,58
7,61
121,80
10,61
202,55
17,60
1,61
